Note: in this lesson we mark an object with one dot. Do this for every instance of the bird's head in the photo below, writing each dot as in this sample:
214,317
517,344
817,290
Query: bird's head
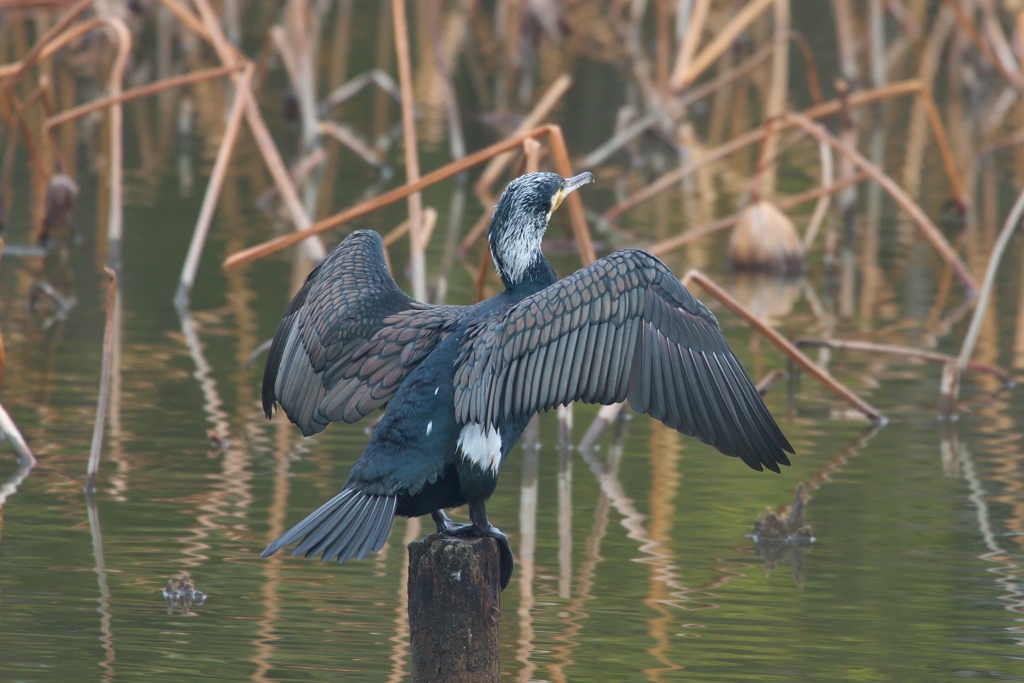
521,218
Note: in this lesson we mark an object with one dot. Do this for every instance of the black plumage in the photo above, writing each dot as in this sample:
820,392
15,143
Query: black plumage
460,383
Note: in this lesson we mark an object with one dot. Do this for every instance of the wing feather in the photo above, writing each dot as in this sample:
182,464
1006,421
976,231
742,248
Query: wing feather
623,328
348,339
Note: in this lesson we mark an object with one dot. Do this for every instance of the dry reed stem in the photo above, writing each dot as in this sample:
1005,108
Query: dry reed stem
3,352
355,84
344,136
813,82
821,208
688,45
229,55
532,151
766,383
115,220
539,112
787,347
725,37
605,416
575,202
196,25
17,119
697,233
903,352
692,95
101,402
931,232
10,430
370,205
950,388
402,229
142,91
983,46
777,88
412,158
54,40
213,187
11,72
478,229
912,86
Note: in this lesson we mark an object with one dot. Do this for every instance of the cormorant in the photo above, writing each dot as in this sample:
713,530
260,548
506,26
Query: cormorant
460,383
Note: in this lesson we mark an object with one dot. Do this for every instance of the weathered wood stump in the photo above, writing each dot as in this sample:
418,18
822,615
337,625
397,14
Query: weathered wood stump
454,609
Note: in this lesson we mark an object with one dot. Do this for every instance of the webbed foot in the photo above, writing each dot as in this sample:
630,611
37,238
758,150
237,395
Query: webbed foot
445,525
482,527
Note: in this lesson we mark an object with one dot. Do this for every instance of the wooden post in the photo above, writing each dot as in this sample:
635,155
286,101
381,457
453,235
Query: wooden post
454,609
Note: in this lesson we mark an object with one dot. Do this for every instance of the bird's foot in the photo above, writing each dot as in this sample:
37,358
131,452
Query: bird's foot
445,525
490,531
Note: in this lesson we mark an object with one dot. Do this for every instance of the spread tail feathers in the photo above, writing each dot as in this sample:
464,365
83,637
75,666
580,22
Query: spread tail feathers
349,525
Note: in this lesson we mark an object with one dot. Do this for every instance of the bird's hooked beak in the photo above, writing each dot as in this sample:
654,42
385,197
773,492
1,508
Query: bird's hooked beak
571,185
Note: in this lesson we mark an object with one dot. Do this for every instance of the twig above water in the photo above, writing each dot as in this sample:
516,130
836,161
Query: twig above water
786,346
104,393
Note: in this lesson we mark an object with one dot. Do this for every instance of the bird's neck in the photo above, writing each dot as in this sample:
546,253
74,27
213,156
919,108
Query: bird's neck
535,277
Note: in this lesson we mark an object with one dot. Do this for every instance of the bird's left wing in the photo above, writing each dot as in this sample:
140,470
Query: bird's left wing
349,338
621,329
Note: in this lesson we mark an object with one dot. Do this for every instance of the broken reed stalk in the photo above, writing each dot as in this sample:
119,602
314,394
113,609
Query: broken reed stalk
821,208
605,416
16,119
352,87
142,91
229,55
402,229
101,402
950,386
531,154
213,187
786,346
10,73
3,350
678,105
371,205
51,42
346,137
811,64
196,25
931,232
539,112
722,40
115,219
697,233
777,89
456,136
691,39
417,256
908,87
575,202
903,352
10,430
983,46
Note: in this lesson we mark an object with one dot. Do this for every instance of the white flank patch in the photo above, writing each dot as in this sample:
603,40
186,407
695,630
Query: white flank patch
436,389
481,445
430,425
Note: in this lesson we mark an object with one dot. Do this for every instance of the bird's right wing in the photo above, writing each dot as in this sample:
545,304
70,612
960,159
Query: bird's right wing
621,329
348,339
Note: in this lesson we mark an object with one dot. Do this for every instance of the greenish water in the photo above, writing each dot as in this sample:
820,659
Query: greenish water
641,565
